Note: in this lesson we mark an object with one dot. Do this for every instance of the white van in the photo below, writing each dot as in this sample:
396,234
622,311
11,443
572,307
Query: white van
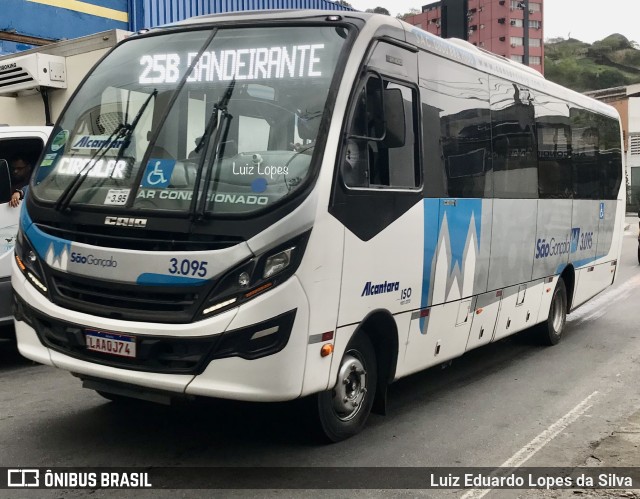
26,142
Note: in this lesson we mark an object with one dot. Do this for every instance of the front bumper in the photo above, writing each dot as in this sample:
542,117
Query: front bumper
52,335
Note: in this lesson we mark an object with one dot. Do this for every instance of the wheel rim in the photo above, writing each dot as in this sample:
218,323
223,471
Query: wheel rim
558,314
351,389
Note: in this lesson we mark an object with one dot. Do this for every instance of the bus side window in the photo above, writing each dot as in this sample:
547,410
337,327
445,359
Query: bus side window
5,182
376,155
355,167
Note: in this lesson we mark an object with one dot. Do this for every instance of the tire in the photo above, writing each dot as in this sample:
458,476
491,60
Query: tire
550,331
638,252
342,412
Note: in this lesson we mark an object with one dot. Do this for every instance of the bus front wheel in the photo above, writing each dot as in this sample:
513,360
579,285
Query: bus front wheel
550,331
343,411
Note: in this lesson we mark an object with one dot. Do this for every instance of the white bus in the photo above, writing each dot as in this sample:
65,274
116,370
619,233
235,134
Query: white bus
268,206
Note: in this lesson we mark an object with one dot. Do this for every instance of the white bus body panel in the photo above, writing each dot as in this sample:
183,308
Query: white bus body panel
226,378
9,219
487,307
519,308
438,337
376,272
274,377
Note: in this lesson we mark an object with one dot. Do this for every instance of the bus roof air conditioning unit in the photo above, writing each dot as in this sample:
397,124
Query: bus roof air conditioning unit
28,73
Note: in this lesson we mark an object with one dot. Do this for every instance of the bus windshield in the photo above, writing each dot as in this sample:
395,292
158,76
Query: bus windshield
216,121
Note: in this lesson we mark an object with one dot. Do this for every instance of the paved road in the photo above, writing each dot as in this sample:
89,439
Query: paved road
481,411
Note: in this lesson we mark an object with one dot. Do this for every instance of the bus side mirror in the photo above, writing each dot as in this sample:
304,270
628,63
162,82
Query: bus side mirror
5,182
394,118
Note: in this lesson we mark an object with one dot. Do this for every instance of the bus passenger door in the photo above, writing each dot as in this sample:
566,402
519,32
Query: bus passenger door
378,192
611,211
587,205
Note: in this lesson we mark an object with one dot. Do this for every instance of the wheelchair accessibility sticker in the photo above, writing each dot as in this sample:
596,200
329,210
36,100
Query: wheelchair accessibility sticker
158,173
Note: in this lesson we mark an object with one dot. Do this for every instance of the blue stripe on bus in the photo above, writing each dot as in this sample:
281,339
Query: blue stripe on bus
459,213
43,242
150,279
430,230
458,222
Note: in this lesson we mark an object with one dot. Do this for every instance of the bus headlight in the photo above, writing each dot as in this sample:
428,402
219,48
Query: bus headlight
29,263
277,263
256,276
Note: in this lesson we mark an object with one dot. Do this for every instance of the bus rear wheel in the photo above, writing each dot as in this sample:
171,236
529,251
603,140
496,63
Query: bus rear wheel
343,411
550,331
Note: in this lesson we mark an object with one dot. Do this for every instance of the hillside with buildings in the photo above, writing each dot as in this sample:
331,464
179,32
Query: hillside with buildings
611,62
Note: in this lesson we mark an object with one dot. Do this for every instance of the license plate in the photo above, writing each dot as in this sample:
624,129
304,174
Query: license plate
111,343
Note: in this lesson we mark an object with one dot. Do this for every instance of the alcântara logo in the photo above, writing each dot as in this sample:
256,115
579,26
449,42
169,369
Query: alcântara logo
383,287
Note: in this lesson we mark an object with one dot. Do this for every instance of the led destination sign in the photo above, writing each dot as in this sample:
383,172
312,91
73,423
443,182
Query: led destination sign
102,168
260,63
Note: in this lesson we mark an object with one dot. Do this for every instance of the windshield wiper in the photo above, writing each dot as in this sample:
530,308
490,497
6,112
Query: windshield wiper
130,128
123,132
221,128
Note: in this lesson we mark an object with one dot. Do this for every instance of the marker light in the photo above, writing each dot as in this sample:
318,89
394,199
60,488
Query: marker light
218,306
327,349
20,264
327,336
37,282
259,289
265,332
278,262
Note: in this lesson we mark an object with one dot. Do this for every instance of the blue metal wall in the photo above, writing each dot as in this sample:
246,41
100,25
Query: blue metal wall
45,19
158,12
66,19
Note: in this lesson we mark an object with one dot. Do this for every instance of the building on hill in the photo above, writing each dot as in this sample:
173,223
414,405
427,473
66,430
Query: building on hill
493,25
627,101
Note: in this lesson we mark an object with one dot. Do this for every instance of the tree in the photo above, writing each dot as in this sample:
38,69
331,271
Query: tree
380,10
608,78
344,3
412,12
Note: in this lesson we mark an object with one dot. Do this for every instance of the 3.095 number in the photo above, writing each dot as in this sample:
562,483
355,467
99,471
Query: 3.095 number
188,267
586,240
